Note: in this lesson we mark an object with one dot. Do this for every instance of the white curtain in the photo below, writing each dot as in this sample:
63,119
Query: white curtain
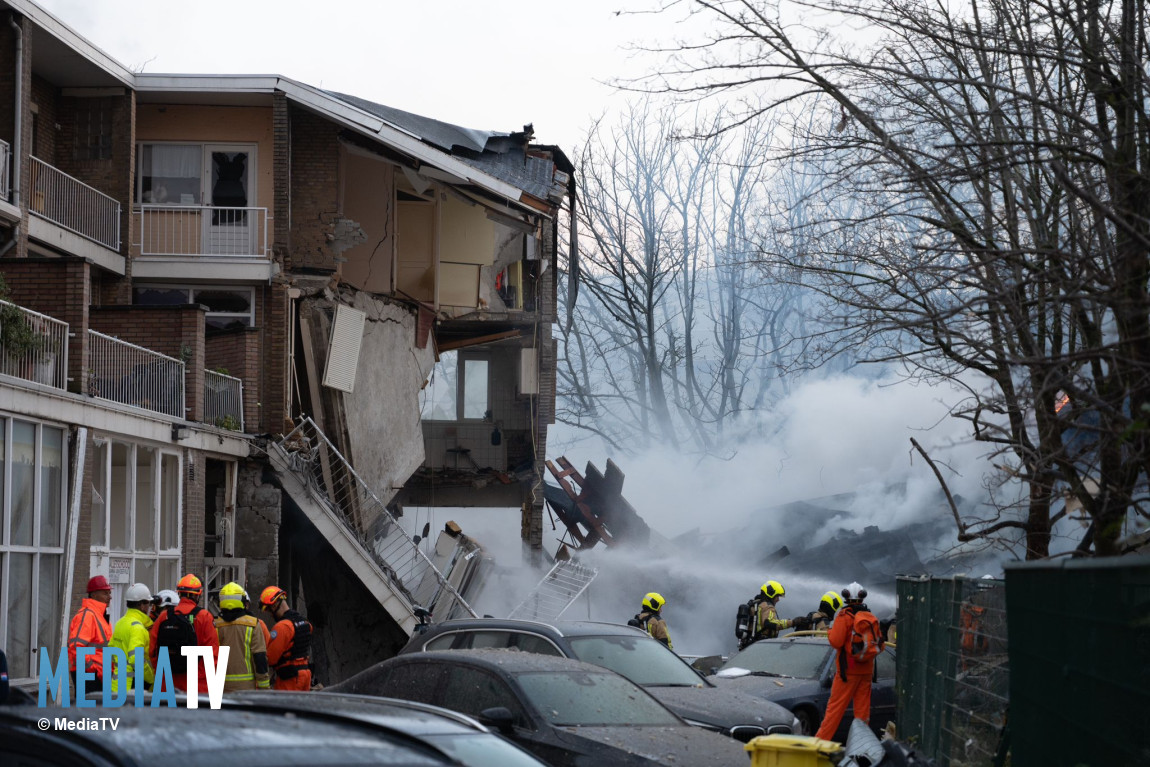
172,161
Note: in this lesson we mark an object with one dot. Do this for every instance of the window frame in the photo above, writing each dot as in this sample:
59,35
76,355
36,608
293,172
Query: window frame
190,295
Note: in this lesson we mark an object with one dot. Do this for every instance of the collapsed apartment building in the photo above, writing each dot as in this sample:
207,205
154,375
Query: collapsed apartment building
246,321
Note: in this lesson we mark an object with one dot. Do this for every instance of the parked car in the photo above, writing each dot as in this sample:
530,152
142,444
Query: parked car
563,711
625,650
796,672
256,730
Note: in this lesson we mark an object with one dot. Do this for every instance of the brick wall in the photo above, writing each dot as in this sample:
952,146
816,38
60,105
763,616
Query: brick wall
273,384
314,189
45,96
177,331
239,352
60,288
195,503
281,156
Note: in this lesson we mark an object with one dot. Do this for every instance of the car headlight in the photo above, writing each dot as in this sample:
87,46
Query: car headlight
704,725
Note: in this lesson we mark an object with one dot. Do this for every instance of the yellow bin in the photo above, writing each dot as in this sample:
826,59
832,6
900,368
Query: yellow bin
792,751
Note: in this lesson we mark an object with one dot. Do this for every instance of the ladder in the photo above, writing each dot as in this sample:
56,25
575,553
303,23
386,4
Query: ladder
565,582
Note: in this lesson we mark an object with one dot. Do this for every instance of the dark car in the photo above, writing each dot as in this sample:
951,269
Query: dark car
257,729
625,650
796,672
563,711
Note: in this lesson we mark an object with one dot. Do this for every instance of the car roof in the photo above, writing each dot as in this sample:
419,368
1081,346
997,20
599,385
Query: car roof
205,737
418,719
559,628
506,661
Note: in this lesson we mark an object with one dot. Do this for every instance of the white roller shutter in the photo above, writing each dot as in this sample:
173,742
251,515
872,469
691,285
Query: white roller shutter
343,348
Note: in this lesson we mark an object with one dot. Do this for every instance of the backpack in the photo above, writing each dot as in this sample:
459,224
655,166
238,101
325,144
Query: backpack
177,631
866,637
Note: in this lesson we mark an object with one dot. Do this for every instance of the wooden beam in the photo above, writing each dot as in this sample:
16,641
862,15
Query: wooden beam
465,342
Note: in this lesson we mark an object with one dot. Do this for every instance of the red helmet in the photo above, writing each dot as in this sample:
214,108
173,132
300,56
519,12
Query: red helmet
98,583
190,584
271,595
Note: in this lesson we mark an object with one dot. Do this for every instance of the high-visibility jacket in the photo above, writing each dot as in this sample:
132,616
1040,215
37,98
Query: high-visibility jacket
768,624
656,627
89,628
130,632
247,661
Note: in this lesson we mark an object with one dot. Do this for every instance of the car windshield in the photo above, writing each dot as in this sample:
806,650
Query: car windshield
581,699
644,661
798,659
483,750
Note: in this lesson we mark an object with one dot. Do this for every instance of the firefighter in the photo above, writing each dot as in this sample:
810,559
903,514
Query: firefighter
90,628
767,623
263,626
822,618
130,632
248,659
854,630
650,618
186,624
290,642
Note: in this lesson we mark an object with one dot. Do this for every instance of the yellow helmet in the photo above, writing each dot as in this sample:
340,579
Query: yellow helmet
832,599
773,590
654,602
232,596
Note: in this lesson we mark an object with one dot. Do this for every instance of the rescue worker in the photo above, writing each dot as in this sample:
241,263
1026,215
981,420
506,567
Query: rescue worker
248,659
651,619
130,632
290,642
165,598
767,623
90,628
852,679
263,626
189,589
822,618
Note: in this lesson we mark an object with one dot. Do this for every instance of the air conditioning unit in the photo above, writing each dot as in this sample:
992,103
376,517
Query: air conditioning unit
528,371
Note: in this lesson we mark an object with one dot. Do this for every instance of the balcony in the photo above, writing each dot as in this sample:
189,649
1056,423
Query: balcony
132,375
73,205
33,346
223,400
200,231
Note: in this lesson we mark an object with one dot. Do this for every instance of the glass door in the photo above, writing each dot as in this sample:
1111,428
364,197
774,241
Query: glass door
229,189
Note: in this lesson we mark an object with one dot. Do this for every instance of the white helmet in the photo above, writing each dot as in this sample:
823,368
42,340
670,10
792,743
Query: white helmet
138,592
168,598
854,592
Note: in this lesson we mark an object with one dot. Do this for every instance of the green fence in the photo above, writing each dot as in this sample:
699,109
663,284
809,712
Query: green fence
1080,660
953,669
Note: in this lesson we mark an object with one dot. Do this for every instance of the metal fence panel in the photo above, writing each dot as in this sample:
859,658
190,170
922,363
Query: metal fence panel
1080,657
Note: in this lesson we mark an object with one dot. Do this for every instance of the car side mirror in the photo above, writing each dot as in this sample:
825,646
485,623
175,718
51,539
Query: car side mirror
498,717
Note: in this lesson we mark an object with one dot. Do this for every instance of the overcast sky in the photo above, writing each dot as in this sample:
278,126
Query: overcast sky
494,65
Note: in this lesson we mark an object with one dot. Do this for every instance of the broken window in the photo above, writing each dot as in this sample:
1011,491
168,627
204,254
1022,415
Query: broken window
458,389
474,394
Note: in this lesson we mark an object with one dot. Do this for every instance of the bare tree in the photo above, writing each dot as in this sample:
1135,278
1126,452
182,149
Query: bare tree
993,157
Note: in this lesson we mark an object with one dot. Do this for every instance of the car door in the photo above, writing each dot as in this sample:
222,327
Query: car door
417,681
882,691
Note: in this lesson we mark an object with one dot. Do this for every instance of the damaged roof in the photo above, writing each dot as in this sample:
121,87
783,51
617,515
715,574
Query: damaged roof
446,136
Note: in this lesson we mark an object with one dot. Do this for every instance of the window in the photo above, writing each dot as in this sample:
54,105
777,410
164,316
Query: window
412,681
459,389
228,307
136,514
93,137
471,691
32,519
170,174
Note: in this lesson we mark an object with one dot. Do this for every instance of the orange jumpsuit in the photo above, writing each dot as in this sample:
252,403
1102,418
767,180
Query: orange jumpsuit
289,662
852,678
89,628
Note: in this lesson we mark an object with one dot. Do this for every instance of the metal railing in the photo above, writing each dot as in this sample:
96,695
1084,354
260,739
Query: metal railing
223,400
133,375
35,351
72,204
202,230
5,164
337,486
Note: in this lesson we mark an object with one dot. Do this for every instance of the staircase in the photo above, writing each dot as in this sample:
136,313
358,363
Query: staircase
555,593
360,528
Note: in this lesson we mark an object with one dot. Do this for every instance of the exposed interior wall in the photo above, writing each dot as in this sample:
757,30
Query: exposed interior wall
383,424
258,517
417,250
369,203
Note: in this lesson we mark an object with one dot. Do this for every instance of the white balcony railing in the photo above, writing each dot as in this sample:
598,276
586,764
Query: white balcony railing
5,163
223,400
36,349
72,204
202,230
133,375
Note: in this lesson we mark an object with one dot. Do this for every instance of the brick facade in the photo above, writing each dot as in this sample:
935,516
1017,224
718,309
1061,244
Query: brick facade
195,500
314,189
238,352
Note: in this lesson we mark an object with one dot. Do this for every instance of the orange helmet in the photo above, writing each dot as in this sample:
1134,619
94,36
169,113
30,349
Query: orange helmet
190,584
271,595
